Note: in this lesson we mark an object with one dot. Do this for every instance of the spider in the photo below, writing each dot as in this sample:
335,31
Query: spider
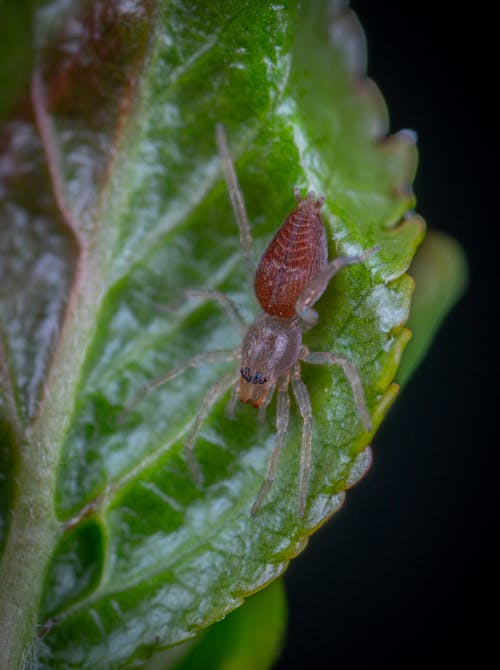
291,276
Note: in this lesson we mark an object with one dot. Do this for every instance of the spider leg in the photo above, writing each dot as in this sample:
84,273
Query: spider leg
351,373
282,414
265,404
214,393
217,296
237,203
214,356
317,286
303,401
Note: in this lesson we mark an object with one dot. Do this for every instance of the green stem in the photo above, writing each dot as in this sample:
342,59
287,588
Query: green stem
31,539
34,528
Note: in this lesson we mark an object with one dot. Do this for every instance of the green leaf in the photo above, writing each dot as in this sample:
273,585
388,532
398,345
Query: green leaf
16,51
112,204
440,273
248,639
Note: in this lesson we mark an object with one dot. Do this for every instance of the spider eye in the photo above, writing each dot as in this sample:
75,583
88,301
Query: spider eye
257,378
245,373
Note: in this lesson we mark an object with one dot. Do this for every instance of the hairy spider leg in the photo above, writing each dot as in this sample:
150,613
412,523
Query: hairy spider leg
233,401
238,204
351,373
214,356
222,299
214,393
282,414
303,400
316,287
265,404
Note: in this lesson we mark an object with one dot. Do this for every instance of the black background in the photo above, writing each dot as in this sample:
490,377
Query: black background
405,572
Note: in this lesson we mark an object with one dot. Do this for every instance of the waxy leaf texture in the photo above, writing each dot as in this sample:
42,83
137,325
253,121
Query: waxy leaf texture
112,204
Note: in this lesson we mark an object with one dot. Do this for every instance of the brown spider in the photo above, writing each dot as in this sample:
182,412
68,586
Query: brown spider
292,275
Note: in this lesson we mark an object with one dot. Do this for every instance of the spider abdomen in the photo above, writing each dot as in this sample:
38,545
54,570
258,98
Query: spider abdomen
296,254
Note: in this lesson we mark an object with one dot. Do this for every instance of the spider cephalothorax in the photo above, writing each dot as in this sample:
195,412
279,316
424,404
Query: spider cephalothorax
270,347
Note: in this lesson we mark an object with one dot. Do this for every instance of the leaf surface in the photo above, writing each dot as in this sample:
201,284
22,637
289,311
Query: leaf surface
248,639
116,204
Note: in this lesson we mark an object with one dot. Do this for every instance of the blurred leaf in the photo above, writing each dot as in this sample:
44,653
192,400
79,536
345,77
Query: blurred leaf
112,203
16,51
440,273
248,639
